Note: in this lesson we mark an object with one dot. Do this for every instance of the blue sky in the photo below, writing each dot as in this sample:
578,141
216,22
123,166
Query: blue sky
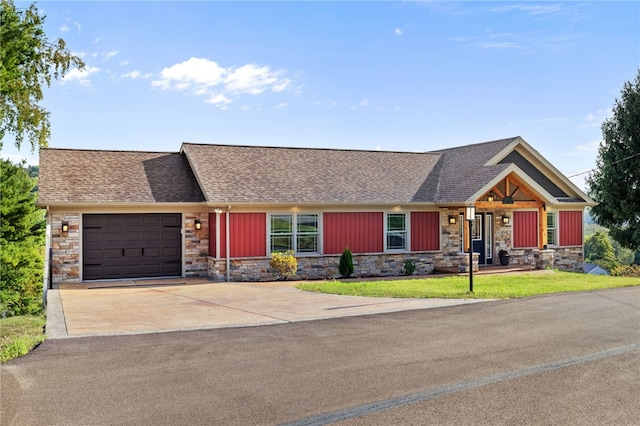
400,76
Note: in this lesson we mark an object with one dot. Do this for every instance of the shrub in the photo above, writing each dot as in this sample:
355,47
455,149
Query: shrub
284,264
409,267
626,271
346,263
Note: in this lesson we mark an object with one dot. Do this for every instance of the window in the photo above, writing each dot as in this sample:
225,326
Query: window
281,233
396,231
297,232
552,229
307,233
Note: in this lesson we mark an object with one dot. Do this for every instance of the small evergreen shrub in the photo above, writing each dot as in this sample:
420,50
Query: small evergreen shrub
346,263
626,271
409,267
284,264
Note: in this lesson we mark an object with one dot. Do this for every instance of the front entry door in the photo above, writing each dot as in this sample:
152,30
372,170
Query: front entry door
483,237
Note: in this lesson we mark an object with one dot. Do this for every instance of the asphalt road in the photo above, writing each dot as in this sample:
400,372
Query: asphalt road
569,359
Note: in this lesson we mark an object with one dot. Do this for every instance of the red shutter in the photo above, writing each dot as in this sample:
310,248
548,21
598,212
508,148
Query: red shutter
425,231
248,233
361,232
570,224
525,229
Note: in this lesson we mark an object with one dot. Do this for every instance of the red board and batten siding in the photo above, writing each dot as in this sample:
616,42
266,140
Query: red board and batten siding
570,226
361,232
248,235
525,229
425,231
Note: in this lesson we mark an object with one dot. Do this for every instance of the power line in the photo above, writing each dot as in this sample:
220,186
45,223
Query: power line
615,162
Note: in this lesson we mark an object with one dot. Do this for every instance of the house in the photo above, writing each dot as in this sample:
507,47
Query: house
221,210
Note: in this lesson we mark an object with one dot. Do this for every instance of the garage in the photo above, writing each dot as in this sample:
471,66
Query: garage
118,246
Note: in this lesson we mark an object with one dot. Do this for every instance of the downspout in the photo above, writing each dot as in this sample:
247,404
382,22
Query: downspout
227,244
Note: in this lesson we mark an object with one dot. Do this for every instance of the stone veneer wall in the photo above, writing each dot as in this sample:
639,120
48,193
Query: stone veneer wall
325,267
196,245
569,258
65,249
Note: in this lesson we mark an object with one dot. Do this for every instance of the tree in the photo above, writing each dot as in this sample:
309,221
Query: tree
345,267
28,60
598,250
615,184
22,229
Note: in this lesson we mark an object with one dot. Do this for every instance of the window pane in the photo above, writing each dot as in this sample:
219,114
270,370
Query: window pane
551,237
307,223
396,240
307,243
551,220
281,224
396,222
281,243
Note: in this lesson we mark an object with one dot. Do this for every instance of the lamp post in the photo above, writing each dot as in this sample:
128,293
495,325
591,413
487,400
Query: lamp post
470,214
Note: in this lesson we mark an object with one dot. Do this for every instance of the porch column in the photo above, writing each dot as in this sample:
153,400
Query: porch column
542,236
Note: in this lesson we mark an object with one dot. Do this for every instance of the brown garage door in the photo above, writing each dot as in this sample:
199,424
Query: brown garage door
131,245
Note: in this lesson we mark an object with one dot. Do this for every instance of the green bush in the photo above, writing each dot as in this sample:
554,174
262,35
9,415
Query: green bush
626,271
284,264
409,267
346,263
22,228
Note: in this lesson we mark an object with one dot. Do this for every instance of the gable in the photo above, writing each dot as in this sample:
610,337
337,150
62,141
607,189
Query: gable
516,158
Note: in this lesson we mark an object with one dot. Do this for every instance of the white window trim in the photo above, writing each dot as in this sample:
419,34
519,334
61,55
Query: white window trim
556,229
407,221
294,219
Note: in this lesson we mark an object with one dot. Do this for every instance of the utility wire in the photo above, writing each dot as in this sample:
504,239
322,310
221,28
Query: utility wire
615,162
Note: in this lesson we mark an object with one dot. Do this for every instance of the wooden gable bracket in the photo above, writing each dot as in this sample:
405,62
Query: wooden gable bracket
510,182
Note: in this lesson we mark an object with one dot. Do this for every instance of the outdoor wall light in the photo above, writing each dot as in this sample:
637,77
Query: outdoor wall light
65,226
198,224
452,220
470,213
505,220
490,198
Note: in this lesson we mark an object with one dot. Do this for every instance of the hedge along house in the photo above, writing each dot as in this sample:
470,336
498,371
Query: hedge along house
221,210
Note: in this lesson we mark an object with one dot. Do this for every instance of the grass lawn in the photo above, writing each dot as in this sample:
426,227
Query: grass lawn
18,335
484,286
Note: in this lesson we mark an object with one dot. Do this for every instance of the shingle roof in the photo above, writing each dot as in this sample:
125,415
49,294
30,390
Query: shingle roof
255,174
460,172
89,176
302,175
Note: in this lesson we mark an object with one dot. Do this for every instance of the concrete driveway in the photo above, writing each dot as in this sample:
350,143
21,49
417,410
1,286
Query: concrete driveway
134,307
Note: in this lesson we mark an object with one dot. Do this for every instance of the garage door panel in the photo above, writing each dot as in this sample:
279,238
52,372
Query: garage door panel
172,221
152,252
131,245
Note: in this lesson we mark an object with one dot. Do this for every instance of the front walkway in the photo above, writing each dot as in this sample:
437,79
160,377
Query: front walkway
133,307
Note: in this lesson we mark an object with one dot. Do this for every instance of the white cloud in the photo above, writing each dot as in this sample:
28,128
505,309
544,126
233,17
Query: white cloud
281,105
64,28
135,74
398,31
124,63
596,119
80,76
78,26
203,77
363,103
111,54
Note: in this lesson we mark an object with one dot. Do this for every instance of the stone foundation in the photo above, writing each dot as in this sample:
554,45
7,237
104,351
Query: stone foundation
569,259
463,262
325,267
